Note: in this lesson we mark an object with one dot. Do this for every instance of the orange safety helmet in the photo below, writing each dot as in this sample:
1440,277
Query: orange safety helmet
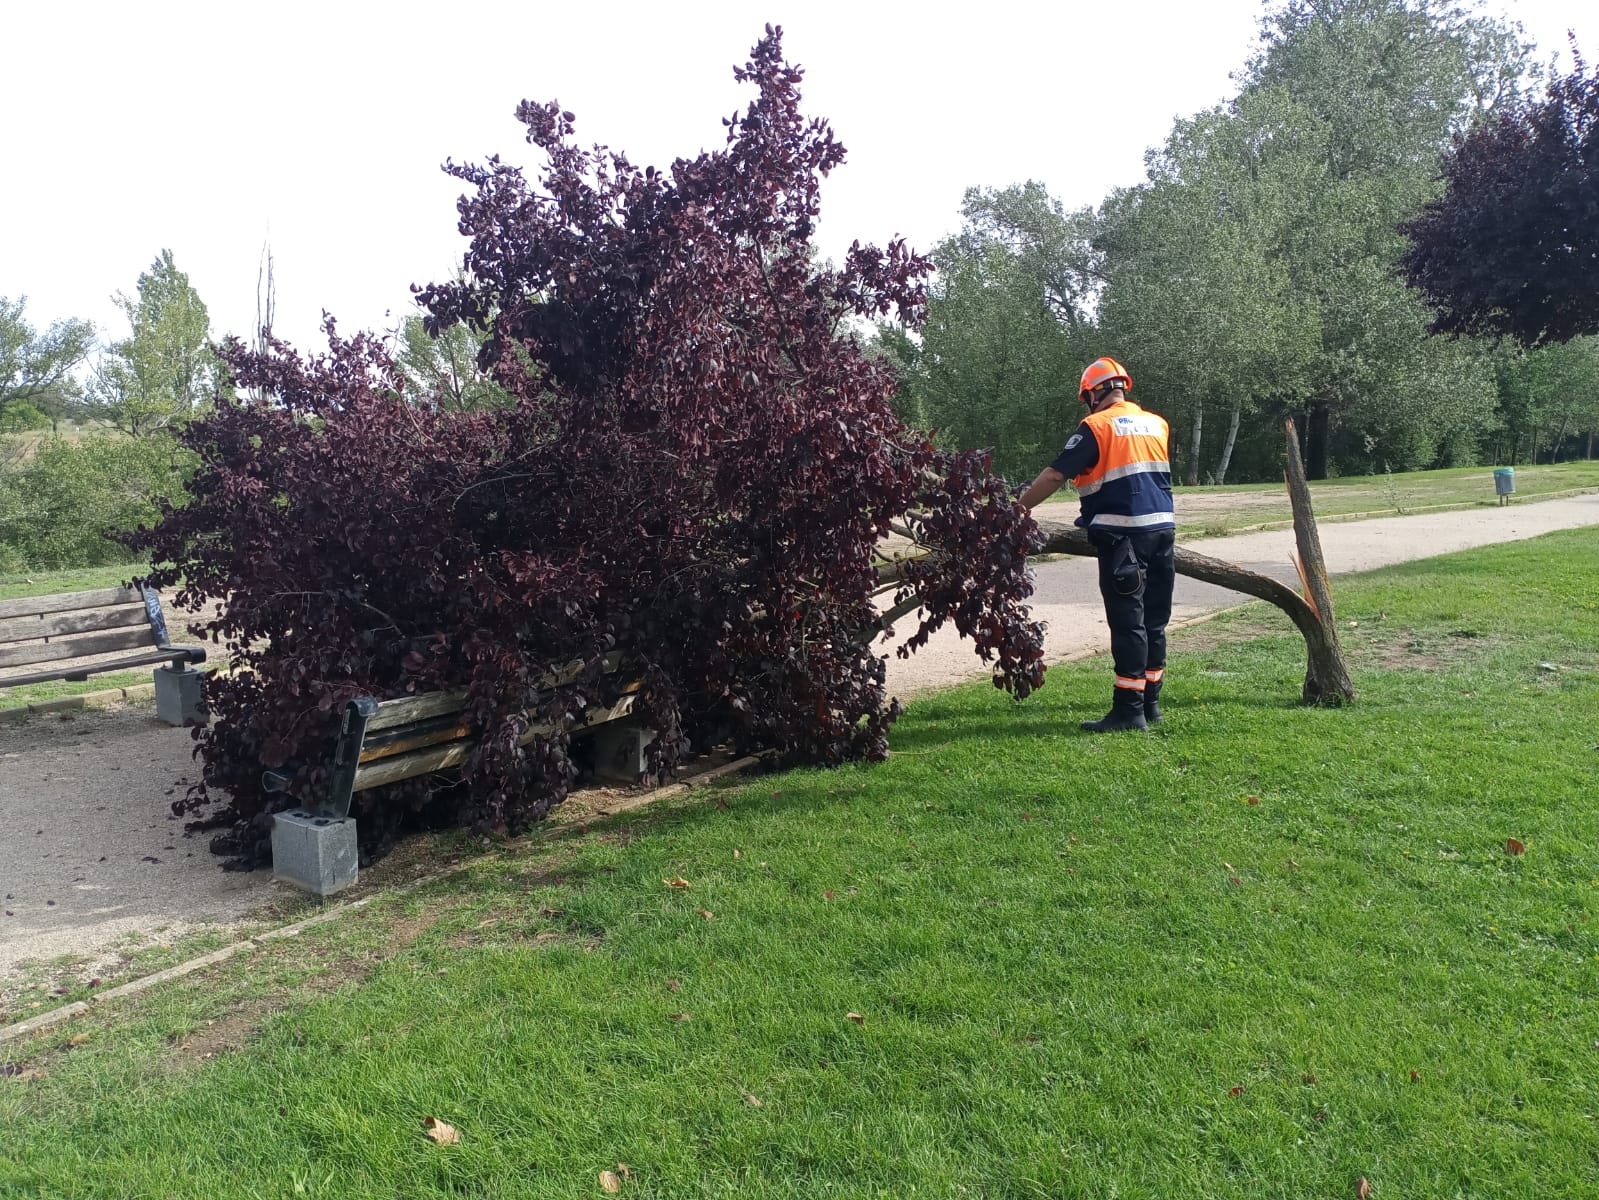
1100,372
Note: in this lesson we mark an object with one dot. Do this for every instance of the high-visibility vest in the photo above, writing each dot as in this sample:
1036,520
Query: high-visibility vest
1130,486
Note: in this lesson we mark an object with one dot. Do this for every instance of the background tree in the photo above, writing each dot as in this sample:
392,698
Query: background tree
165,372
1008,329
1512,246
442,370
1378,88
36,368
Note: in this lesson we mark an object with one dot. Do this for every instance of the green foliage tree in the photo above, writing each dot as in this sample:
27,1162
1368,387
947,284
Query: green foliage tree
36,368
1378,88
165,371
62,504
1255,270
443,371
1009,316
1545,397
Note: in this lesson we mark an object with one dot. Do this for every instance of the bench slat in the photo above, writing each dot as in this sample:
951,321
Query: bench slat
26,629
154,659
415,708
33,606
80,646
404,710
442,758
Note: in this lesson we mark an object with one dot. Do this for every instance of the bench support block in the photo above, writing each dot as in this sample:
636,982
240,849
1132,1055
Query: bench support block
177,695
315,853
619,751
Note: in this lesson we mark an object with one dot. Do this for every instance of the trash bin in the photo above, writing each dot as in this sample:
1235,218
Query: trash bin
1504,483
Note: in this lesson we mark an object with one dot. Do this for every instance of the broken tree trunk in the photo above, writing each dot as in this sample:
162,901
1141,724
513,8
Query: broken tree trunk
1327,679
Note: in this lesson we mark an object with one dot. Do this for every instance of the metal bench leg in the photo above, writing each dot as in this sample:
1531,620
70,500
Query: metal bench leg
177,694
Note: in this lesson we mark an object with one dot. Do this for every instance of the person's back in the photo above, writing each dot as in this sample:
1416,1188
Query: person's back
1120,462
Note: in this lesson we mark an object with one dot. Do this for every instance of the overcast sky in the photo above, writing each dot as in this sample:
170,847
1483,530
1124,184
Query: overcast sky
211,128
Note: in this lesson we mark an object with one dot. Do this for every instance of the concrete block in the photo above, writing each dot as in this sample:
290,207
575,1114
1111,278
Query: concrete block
619,751
314,853
177,694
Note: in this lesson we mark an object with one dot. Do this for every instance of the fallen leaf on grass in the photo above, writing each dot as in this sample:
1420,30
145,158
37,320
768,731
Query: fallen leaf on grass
856,1017
706,913
752,1101
549,912
827,895
1415,1077
1236,1091
1251,799
440,1133
676,881
1235,879
1512,846
623,1171
1363,1188
682,1016
77,1039
610,1182
738,854
672,985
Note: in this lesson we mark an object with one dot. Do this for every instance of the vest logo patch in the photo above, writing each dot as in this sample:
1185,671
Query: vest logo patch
1134,427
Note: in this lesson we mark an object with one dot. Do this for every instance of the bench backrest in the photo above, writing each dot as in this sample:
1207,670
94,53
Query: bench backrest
49,629
386,741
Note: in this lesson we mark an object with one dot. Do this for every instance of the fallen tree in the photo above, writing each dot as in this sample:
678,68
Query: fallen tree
1327,680
693,468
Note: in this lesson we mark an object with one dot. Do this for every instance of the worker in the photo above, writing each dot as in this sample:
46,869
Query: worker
1118,459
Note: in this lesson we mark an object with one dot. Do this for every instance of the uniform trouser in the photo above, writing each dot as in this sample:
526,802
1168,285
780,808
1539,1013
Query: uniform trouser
1138,617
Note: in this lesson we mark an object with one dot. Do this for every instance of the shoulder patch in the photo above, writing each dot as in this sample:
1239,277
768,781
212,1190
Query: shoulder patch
1072,442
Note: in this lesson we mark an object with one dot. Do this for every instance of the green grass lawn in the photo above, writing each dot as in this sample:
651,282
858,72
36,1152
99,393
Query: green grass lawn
1266,951
1209,511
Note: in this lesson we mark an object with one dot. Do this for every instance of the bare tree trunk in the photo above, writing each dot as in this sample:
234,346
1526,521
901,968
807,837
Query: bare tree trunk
1192,479
1326,677
1537,432
1560,440
1590,444
1227,446
1318,428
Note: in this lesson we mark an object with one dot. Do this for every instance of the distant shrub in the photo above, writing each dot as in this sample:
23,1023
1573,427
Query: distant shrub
63,505
22,417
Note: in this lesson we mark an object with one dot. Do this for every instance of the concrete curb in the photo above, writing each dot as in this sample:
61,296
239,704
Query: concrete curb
66,1012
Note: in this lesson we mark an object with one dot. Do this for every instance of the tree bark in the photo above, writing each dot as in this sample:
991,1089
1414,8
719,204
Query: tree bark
1318,424
1192,479
1227,446
1590,444
1326,677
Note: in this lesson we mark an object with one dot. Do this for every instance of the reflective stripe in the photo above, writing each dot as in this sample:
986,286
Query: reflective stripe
1155,676
1132,685
1143,521
1137,468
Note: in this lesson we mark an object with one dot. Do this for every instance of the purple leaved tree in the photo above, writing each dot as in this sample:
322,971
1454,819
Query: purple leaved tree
697,471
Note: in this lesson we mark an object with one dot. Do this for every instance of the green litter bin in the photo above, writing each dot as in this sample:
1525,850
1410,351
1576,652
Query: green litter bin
1504,483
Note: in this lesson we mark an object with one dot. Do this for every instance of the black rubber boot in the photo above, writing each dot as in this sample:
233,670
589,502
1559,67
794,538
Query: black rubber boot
1126,712
1152,712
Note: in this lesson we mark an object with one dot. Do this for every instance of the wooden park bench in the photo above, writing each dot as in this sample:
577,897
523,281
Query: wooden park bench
78,633
386,741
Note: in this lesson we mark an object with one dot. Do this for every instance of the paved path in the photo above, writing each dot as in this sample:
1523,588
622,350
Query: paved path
1067,595
89,852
